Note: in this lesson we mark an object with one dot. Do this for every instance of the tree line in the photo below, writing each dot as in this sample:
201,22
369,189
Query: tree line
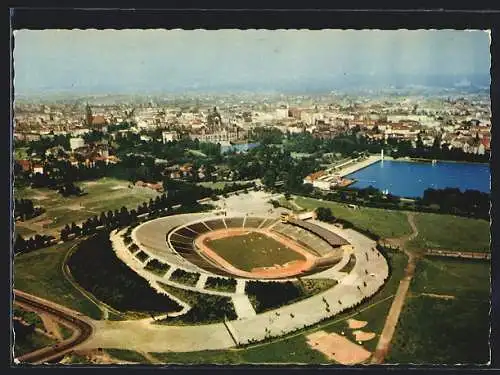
24,209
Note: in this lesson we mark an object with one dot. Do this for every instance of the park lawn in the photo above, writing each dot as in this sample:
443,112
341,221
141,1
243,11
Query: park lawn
40,273
29,317
127,355
448,232
438,331
457,277
445,331
385,223
101,195
23,231
290,351
20,153
219,184
66,332
294,348
253,250
31,342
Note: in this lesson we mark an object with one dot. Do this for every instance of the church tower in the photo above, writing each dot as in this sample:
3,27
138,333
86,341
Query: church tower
88,115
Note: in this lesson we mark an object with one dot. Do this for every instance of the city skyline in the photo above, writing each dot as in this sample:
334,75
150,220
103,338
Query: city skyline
113,61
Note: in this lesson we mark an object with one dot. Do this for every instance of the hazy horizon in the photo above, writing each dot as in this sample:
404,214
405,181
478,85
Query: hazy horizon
127,61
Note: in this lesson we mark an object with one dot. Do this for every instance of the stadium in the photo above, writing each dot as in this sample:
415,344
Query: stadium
243,246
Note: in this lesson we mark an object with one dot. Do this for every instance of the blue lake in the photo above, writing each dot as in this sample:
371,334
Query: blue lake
410,179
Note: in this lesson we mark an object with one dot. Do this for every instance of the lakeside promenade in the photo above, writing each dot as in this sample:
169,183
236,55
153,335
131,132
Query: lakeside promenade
356,166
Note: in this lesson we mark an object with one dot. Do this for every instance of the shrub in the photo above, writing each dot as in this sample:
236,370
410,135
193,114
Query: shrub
184,277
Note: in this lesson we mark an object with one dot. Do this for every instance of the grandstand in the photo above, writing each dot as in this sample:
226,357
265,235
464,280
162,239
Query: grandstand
171,239
234,222
253,222
198,228
331,238
311,242
216,224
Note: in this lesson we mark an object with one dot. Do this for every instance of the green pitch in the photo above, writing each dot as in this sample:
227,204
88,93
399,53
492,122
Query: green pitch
253,250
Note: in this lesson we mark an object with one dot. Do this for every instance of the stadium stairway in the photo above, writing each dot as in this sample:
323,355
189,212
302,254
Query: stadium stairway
243,306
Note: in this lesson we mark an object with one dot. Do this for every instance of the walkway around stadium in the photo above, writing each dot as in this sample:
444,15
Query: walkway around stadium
366,278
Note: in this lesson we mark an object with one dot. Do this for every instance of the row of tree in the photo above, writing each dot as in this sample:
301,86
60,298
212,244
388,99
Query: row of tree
471,203
24,209
36,242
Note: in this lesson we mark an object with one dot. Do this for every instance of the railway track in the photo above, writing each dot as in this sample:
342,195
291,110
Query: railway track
82,330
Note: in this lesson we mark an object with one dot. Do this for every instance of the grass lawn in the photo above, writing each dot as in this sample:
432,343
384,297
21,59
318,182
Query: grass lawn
457,277
20,153
40,273
385,223
29,317
294,348
445,331
66,332
253,250
219,184
102,195
30,343
25,232
127,355
449,232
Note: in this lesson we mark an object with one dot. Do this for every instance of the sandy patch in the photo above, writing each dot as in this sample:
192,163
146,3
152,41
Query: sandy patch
40,197
119,187
338,348
363,336
355,324
75,207
51,326
44,222
91,183
442,296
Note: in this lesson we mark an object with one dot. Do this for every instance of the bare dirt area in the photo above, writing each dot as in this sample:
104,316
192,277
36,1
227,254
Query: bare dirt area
338,348
363,336
51,326
356,324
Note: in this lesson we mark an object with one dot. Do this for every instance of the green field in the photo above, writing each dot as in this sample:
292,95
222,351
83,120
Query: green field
30,343
40,273
127,355
25,232
385,223
294,348
102,195
219,184
446,318
20,153
253,250
449,232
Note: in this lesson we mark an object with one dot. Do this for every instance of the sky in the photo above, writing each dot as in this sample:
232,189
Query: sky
176,60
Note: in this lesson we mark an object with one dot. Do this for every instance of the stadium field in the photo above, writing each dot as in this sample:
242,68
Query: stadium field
252,250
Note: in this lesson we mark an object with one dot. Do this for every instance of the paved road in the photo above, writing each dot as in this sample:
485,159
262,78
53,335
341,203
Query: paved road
82,328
